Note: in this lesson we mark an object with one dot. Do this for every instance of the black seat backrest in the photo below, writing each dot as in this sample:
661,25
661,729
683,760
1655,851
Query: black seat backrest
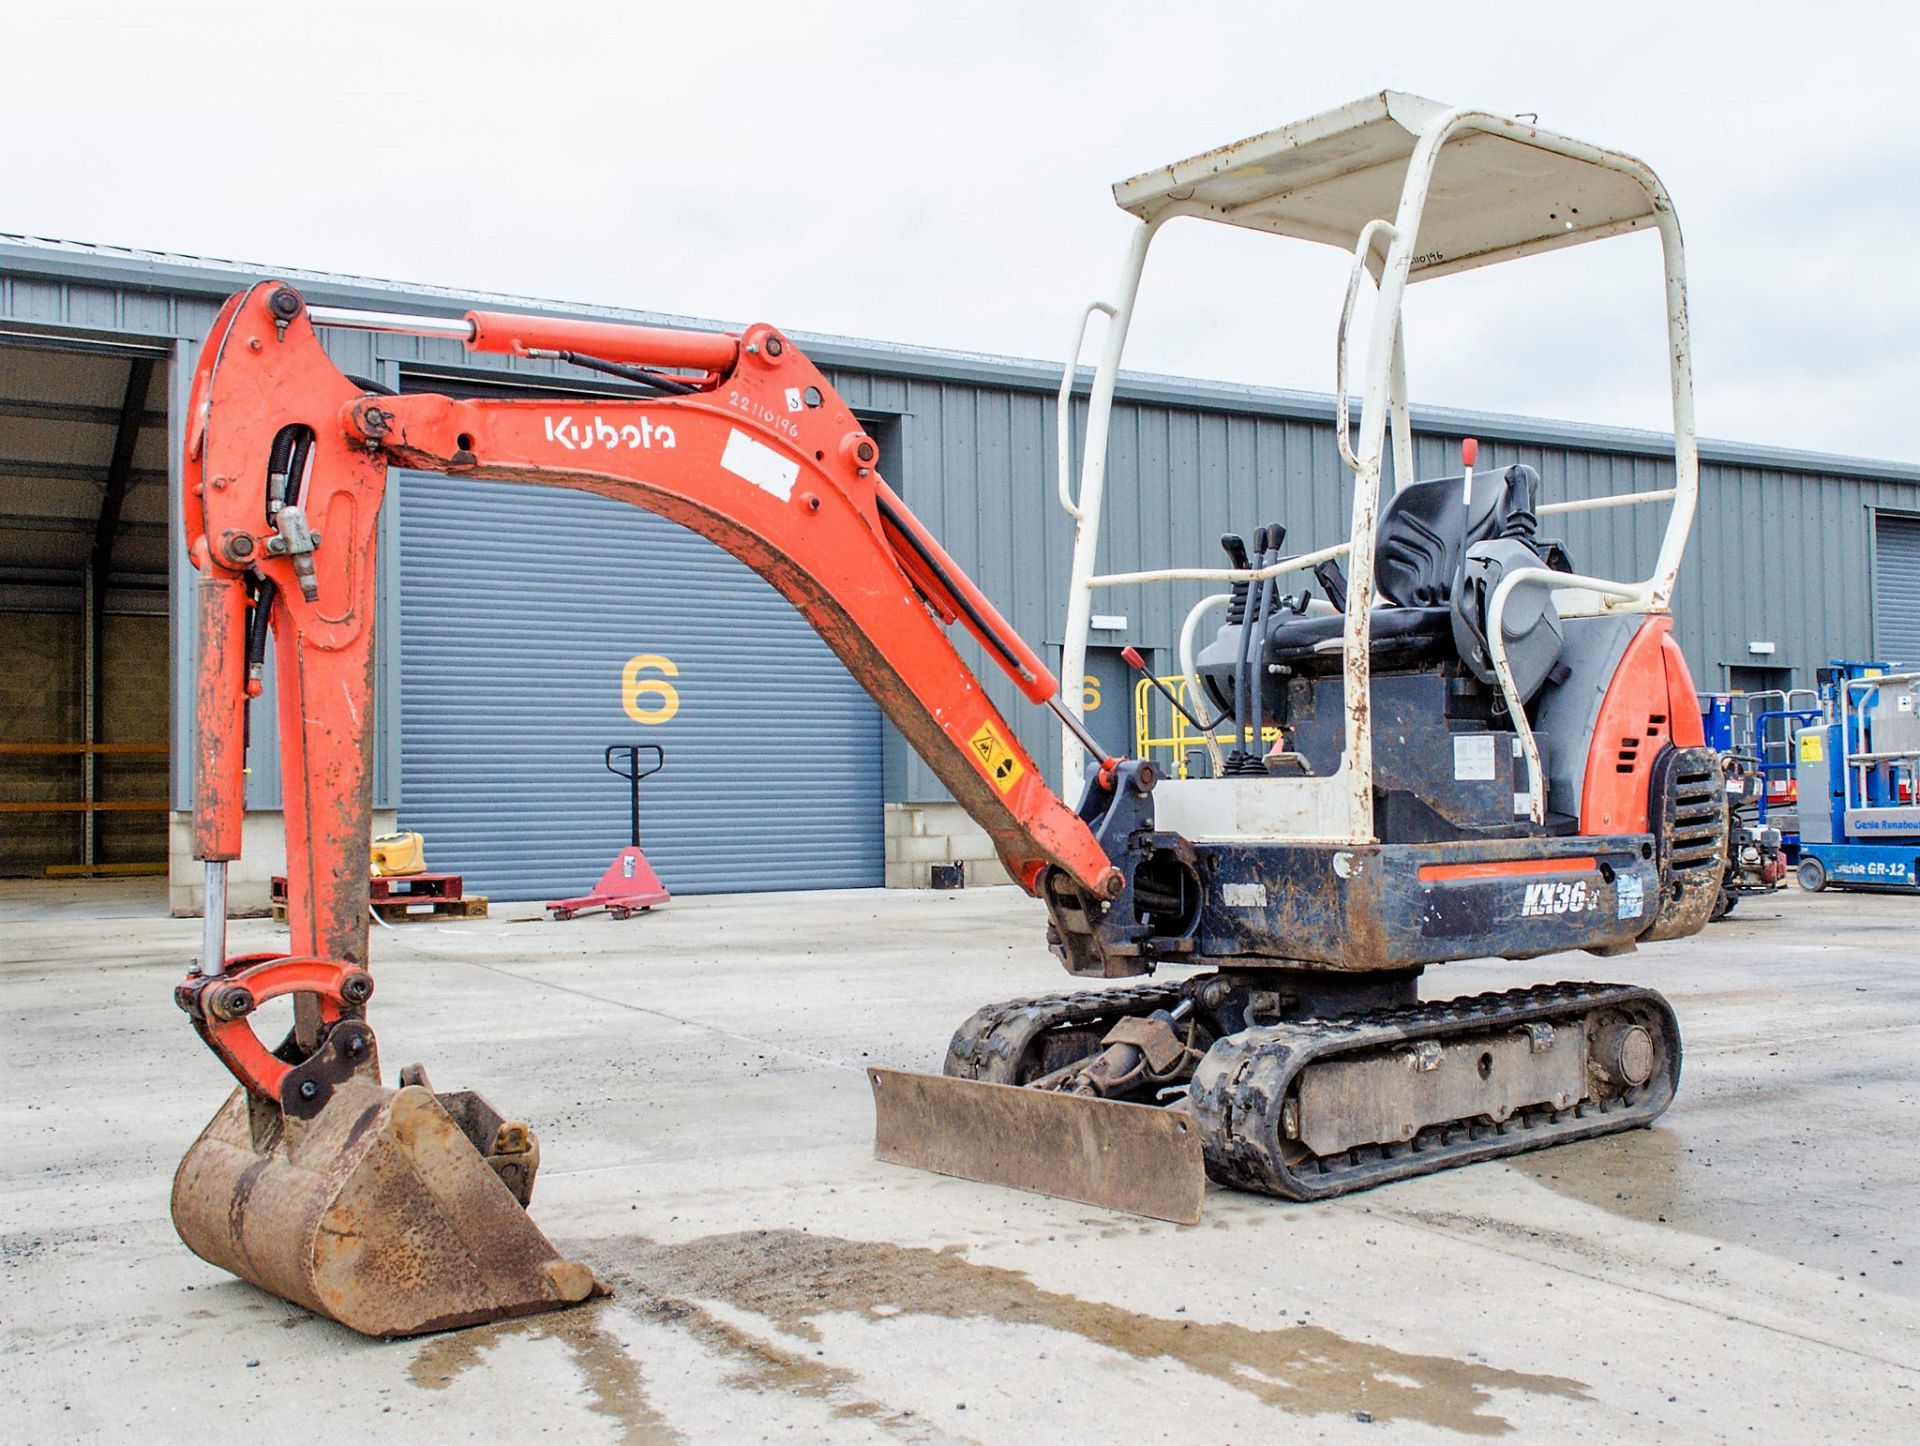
1425,529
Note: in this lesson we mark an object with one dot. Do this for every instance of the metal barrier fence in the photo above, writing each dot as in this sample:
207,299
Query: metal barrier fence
1181,745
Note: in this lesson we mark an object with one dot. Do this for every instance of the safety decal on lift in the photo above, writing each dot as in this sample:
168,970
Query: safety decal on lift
997,757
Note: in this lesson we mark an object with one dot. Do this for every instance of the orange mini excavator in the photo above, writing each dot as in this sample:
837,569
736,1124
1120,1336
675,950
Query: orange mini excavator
1462,747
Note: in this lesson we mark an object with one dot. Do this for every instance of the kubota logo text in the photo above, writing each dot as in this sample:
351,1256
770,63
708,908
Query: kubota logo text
594,432
1571,898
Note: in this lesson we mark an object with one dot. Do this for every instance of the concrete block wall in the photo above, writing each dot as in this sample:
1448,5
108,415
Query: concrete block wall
40,702
263,853
920,835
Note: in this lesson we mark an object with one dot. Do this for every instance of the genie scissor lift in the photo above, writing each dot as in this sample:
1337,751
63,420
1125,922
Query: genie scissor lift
1859,781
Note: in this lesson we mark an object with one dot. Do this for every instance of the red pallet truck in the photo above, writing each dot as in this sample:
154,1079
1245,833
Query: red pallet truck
629,886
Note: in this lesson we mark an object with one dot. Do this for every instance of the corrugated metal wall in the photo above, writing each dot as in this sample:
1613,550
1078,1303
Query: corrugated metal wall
1779,552
521,610
1783,549
1896,588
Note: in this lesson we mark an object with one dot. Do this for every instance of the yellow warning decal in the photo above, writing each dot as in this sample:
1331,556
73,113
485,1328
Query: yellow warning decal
996,757
1811,750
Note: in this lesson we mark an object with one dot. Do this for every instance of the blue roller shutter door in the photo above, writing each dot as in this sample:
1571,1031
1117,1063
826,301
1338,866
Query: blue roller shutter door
523,610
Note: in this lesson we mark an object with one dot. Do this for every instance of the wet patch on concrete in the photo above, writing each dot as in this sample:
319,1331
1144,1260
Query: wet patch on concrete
762,1365
793,1279
614,1385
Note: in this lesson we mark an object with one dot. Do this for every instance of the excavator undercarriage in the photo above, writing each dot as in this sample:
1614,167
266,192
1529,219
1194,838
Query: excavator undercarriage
1290,1103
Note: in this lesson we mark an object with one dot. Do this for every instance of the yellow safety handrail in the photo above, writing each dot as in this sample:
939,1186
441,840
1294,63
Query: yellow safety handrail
1181,738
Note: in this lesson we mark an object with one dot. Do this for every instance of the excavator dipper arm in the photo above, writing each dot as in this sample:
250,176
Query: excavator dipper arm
286,460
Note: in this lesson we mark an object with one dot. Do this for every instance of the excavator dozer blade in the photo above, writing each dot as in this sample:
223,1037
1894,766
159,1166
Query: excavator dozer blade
1135,1158
378,1212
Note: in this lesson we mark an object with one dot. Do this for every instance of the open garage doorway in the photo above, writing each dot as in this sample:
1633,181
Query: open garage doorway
83,609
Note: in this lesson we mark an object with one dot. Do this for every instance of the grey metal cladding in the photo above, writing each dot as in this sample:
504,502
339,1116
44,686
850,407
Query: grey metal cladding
521,606
1783,549
1896,588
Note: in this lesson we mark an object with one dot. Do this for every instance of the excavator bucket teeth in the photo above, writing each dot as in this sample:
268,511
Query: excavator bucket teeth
1134,1158
378,1212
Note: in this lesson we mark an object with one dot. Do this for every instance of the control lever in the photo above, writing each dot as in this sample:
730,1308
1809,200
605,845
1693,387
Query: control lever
1259,614
1253,591
1131,657
1235,547
1267,543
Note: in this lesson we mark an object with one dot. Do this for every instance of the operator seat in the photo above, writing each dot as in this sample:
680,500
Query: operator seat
1422,538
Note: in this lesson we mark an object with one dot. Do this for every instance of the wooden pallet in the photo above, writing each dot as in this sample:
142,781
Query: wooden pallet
415,911
396,888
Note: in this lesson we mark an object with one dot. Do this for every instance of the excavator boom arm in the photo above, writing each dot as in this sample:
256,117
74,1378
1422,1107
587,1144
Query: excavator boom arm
286,467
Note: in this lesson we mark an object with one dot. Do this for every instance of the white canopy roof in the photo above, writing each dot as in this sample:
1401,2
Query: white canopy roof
1495,195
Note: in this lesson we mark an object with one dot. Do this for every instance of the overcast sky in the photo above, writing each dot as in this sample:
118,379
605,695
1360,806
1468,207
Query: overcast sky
939,174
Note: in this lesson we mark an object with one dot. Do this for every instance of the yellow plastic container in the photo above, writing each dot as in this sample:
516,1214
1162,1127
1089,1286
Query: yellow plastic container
399,853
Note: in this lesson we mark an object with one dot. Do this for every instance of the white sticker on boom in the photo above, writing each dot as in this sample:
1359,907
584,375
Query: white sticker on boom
1244,896
763,467
1472,756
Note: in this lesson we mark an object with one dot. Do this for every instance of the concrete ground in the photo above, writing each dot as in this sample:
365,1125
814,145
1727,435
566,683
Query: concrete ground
1748,1268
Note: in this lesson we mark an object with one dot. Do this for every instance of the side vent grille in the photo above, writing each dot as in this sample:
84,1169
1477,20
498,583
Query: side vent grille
1627,760
1688,811
1697,815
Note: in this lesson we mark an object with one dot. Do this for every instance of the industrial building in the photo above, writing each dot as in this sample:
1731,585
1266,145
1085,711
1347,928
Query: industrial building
525,629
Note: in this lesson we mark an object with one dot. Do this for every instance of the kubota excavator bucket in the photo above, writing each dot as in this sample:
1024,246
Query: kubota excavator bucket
1136,1158
394,1212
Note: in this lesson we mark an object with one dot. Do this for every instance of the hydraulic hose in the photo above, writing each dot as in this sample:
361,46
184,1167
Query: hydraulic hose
670,386
982,628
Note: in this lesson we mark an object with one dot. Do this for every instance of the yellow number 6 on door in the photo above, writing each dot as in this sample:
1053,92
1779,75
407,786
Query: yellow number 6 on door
646,699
